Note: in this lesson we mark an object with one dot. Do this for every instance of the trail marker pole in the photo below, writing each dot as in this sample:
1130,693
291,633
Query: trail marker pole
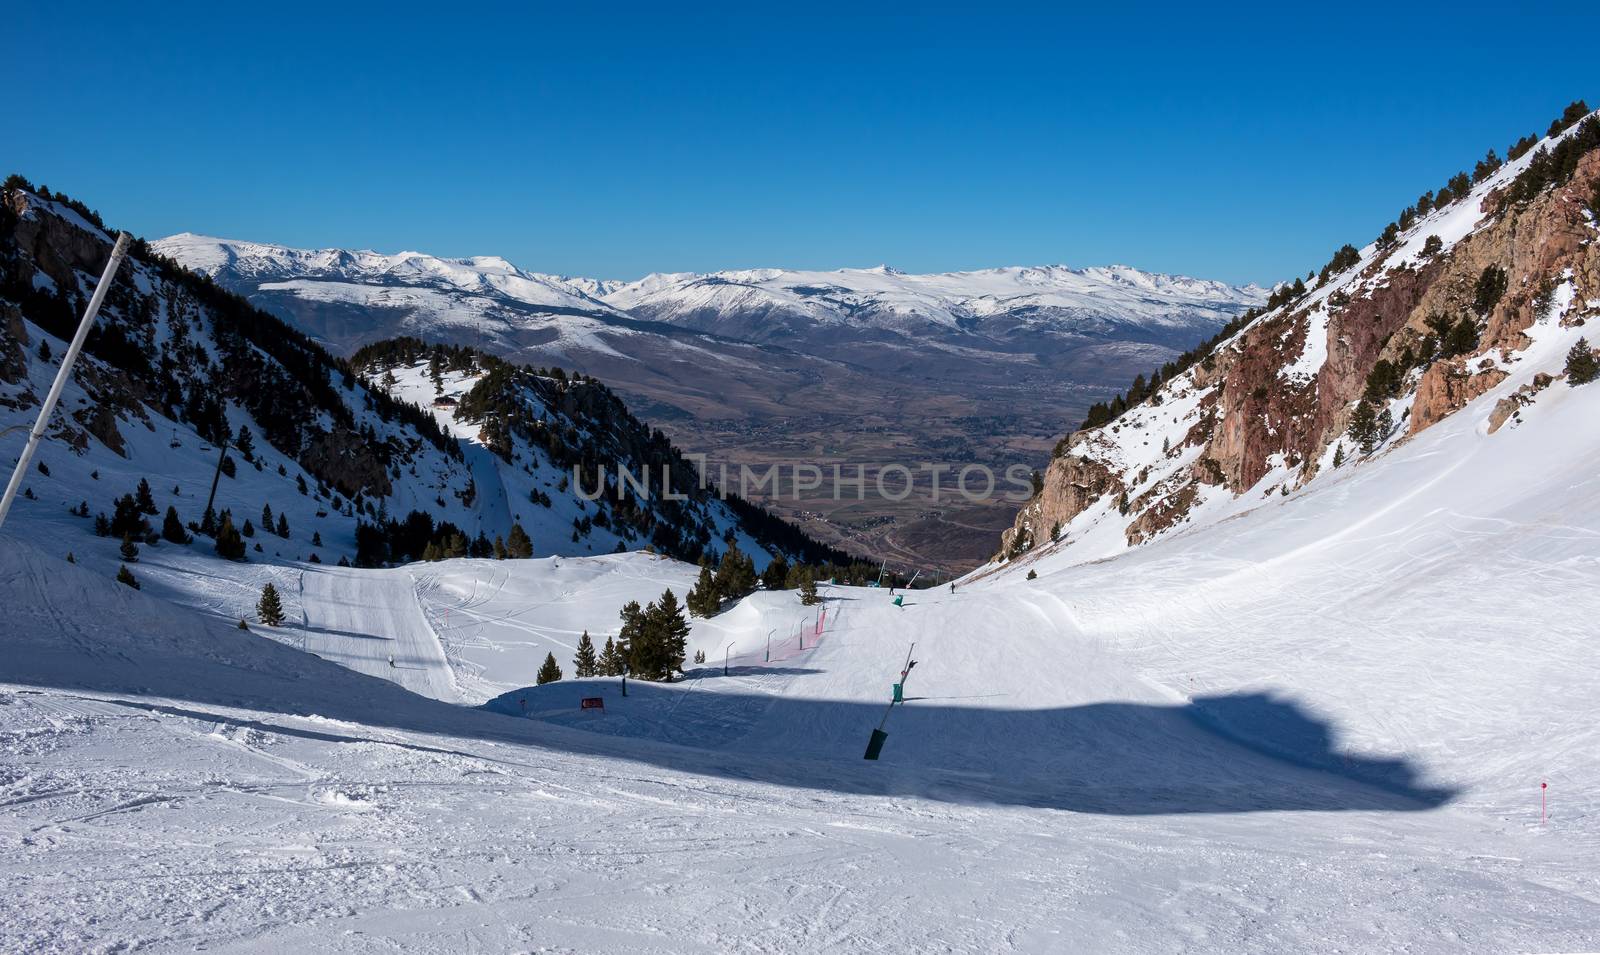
769,645
118,251
725,651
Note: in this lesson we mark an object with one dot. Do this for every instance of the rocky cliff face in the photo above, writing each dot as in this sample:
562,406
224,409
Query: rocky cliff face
1271,409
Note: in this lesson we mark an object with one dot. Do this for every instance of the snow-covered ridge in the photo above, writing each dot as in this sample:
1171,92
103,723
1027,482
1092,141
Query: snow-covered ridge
1128,294
485,275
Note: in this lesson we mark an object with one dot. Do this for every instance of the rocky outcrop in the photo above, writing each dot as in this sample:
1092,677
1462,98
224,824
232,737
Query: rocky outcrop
1255,415
1259,411
1165,513
1070,484
1509,407
13,341
1360,333
1446,387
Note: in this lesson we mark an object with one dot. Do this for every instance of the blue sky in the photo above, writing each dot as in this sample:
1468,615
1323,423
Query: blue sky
1242,145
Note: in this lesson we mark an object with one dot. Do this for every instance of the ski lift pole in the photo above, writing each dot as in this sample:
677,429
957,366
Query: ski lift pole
875,743
118,251
216,476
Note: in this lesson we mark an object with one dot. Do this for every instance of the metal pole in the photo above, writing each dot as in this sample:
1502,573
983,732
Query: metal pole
905,672
725,651
216,476
117,252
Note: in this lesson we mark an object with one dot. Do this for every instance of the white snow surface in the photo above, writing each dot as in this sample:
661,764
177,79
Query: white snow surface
1320,726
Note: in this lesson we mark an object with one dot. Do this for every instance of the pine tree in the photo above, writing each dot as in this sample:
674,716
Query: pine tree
1490,288
736,574
229,544
245,444
1338,454
145,501
585,664
130,553
1461,339
127,519
703,600
610,659
549,672
1033,575
518,543
316,538
249,529
1364,426
283,526
499,548
632,640
267,522
243,625
172,527
808,589
671,631
125,576
269,609
1582,367
773,577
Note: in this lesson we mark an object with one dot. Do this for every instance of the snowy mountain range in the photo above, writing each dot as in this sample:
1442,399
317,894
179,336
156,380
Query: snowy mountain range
750,304
752,366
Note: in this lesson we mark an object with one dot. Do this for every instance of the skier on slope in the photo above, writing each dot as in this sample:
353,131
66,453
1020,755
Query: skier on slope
391,661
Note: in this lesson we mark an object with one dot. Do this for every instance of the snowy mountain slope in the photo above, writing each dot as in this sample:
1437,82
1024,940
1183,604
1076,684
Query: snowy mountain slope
1476,303
1199,722
749,367
174,365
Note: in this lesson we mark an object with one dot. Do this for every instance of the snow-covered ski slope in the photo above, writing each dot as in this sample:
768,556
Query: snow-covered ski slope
1318,726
